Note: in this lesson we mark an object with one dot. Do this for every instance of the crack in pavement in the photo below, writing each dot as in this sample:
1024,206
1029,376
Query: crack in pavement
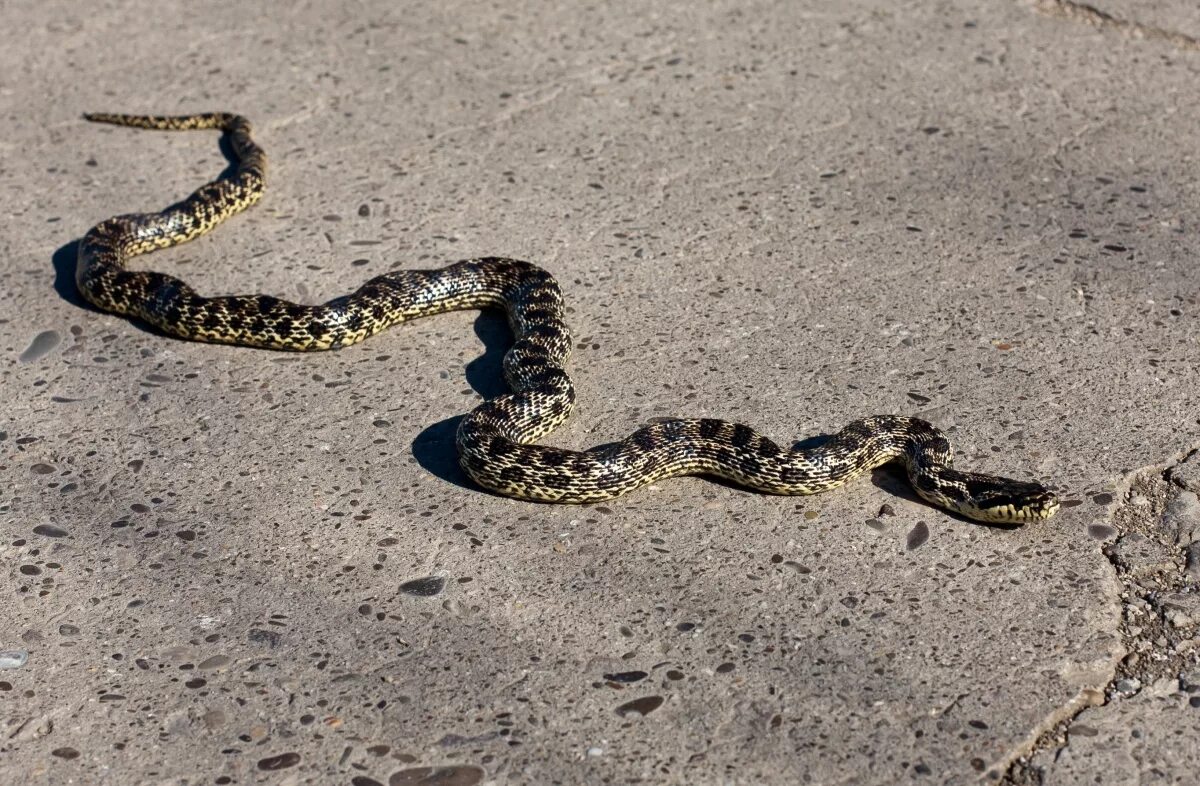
1153,545
1090,15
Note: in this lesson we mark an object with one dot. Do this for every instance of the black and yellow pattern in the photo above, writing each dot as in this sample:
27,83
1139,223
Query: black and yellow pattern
494,441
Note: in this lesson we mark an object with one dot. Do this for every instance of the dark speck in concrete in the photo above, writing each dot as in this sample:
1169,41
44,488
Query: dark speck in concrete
40,346
268,637
917,536
424,587
640,707
280,762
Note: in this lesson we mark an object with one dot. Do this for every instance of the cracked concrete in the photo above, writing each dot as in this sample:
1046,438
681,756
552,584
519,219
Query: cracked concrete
1147,724
1171,22
229,566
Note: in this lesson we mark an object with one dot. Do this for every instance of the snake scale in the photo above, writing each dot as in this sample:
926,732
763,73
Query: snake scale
495,442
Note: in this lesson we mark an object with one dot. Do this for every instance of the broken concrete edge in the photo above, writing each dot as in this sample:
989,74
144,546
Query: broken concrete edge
1102,20
1052,727
1052,734
1191,484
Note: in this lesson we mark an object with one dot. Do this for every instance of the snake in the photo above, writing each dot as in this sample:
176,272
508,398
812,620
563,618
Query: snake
497,442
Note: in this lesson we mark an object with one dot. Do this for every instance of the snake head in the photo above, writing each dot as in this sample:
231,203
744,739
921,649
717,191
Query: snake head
986,498
1000,500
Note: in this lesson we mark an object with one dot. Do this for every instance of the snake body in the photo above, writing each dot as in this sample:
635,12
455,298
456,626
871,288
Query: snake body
496,441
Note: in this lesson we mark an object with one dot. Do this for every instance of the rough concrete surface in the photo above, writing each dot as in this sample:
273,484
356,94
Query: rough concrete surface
1147,730
236,566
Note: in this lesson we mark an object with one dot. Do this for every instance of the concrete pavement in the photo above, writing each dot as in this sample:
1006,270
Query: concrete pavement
235,566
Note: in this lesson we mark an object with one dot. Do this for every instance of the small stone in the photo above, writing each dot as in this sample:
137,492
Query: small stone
268,637
280,762
460,775
215,662
640,707
1181,609
50,531
425,587
13,659
1193,561
1128,686
1187,473
40,346
1181,519
917,536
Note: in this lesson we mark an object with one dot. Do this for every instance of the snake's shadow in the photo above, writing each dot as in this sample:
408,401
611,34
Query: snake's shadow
434,447
893,478
63,260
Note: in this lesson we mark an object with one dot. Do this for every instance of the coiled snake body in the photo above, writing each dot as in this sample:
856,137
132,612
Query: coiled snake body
495,440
